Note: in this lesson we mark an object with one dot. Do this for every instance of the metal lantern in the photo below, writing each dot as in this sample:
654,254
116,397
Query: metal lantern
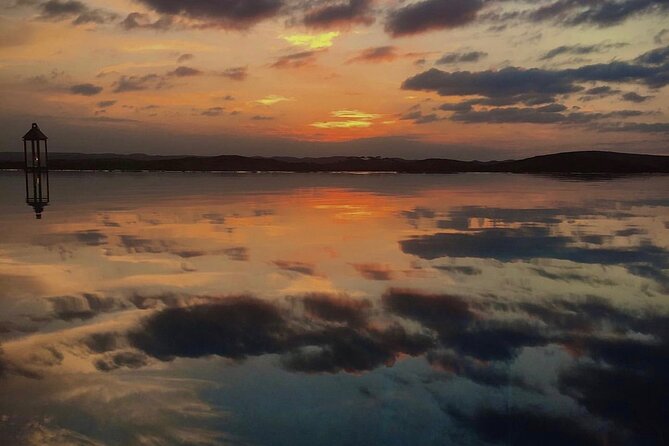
36,169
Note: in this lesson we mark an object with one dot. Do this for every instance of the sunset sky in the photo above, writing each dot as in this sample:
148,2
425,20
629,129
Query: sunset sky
468,79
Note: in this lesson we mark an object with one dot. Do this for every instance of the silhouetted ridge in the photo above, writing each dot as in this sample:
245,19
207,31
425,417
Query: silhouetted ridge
590,162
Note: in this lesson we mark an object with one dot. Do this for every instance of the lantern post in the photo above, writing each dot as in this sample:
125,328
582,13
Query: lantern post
36,167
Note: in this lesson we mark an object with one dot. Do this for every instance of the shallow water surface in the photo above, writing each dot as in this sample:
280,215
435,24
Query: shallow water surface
328,309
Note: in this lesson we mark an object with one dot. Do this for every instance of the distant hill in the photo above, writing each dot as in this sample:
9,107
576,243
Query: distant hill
591,162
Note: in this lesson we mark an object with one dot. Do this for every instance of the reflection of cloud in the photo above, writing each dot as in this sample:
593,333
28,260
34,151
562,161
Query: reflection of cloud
527,427
375,271
523,244
336,308
295,266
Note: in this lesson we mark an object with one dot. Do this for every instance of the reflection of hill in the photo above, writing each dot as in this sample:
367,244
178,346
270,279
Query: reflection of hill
568,162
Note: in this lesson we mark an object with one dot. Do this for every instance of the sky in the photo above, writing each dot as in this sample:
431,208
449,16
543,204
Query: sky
465,79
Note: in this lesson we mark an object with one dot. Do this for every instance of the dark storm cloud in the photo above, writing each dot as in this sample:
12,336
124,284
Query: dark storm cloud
80,13
480,372
85,89
429,15
376,54
235,328
657,56
345,13
234,14
240,327
452,58
443,313
336,308
184,71
650,69
637,127
235,73
524,244
538,115
418,117
296,60
418,212
339,349
580,50
628,382
457,323
137,20
634,97
506,82
599,13
527,427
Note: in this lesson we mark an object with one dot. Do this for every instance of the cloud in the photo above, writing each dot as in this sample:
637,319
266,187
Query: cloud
312,41
506,82
239,327
341,124
428,15
185,57
352,119
273,99
599,13
336,308
184,71
524,243
85,89
296,60
346,13
235,73
138,83
117,360
137,20
517,82
213,111
418,117
530,427
658,56
354,114
581,49
376,54
452,58
262,118
634,97
294,266
235,328
105,104
374,271
81,14
232,14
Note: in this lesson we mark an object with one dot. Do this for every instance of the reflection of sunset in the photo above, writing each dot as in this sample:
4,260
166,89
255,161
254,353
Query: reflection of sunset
346,281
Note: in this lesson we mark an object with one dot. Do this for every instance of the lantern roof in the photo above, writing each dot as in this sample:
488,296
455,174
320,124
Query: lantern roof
34,134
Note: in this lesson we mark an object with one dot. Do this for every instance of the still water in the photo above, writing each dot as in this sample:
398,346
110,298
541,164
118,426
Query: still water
335,309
